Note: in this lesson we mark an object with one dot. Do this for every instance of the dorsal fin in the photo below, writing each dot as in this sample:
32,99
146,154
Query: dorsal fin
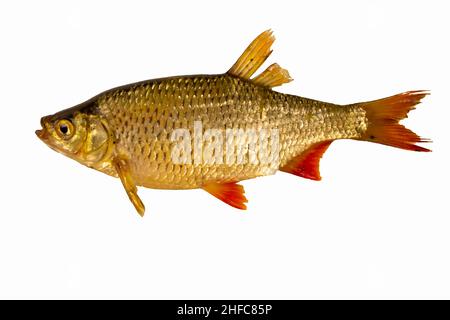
254,56
273,76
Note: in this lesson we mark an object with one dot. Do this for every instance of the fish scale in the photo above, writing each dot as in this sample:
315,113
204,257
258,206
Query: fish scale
225,102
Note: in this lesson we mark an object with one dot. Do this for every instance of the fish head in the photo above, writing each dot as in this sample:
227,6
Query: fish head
78,135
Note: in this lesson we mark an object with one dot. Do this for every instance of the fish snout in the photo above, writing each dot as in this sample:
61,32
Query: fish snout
43,133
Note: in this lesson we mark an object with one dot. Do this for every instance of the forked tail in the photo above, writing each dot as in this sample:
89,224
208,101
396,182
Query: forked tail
382,127
383,121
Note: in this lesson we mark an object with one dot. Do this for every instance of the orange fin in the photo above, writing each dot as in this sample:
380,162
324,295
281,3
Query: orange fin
231,193
273,76
254,56
383,116
306,164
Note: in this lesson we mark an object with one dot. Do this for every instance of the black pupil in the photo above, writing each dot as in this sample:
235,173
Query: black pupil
64,129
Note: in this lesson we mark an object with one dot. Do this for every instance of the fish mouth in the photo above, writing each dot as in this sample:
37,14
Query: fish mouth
42,133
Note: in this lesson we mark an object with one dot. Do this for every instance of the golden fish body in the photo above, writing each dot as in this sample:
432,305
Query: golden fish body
143,117
212,131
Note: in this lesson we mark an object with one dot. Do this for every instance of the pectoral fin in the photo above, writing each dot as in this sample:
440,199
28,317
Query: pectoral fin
123,171
231,193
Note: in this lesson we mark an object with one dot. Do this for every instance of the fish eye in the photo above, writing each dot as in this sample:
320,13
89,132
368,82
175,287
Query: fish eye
64,128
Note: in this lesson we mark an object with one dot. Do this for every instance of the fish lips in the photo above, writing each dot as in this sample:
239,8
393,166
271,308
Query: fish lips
42,133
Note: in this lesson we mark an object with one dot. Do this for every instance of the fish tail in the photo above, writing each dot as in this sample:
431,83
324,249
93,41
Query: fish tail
383,121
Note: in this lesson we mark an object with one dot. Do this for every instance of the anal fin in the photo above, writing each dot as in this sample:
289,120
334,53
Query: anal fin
306,164
231,193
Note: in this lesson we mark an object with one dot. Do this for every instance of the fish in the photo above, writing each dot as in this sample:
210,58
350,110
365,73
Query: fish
212,131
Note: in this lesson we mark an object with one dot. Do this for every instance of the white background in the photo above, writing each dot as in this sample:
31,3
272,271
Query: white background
376,226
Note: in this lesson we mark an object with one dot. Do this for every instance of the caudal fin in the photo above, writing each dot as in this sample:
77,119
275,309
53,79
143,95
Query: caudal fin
383,121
